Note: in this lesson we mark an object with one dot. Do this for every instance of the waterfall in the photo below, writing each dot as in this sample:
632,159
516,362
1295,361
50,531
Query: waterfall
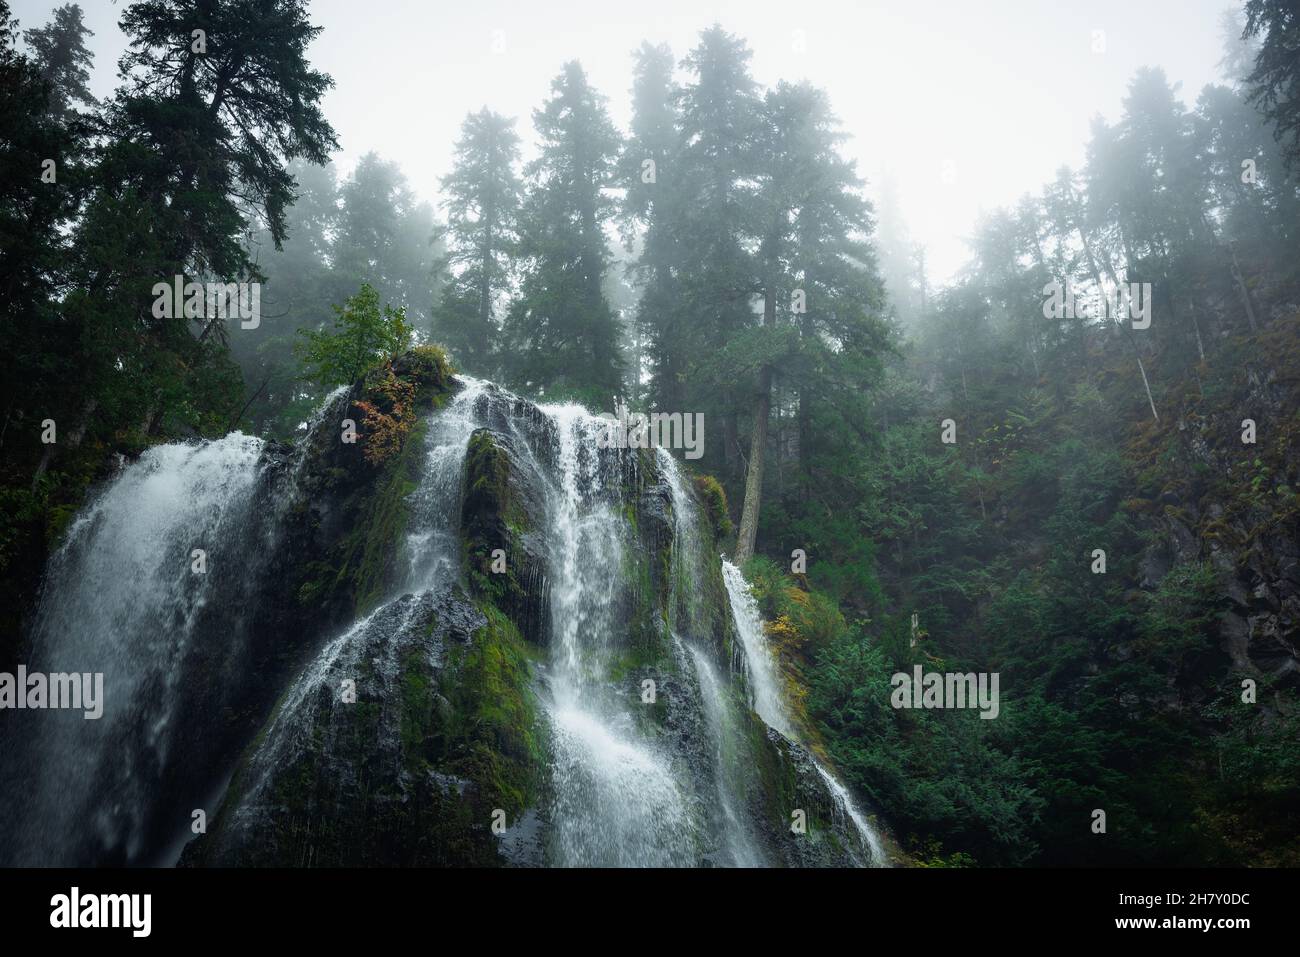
764,681
732,771
769,702
625,596
123,596
430,562
431,549
618,801
845,808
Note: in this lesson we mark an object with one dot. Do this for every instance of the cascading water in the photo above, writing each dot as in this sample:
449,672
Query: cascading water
127,595
431,548
431,559
763,679
769,702
731,769
617,801
629,780
846,808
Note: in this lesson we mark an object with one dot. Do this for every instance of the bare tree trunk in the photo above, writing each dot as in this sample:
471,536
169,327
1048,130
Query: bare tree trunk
757,445
731,442
805,444
251,399
1241,287
1142,369
1096,277
754,474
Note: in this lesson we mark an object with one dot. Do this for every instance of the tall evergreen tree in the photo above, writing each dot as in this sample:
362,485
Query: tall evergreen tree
716,232
822,297
897,254
649,173
563,331
384,237
300,288
214,99
1275,82
482,201
60,54
42,179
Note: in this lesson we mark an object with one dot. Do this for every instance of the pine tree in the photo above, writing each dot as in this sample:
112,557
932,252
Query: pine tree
649,172
59,53
482,208
897,254
822,297
384,237
43,183
214,100
1275,82
300,288
564,334
719,223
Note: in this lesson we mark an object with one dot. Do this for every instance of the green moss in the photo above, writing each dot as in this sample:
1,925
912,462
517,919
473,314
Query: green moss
635,660
418,718
492,737
715,504
488,469
493,516
361,566
431,370
775,774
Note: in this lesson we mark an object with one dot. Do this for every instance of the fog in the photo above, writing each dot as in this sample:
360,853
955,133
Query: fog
963,106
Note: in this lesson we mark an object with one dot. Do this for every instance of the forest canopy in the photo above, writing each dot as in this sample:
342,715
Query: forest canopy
720,256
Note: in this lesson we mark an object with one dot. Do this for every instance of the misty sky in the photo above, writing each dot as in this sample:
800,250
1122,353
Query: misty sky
1002,91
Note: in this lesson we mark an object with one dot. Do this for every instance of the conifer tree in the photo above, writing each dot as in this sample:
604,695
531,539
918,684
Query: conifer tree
482,207
649,172
59,52
562,329
823,300
1275,82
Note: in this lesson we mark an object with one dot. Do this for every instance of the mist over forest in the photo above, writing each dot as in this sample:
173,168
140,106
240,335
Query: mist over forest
617,504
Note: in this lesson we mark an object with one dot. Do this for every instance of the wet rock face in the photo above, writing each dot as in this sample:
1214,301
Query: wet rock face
798,821
1261,628
502,543
417,731
437,655
231,641
376,762
1228,503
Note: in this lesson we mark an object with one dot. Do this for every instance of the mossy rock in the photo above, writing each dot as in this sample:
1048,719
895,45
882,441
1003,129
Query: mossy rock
714,499
501,550
442,738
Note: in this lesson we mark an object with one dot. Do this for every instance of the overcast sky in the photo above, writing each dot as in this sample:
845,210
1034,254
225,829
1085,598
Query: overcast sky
999,93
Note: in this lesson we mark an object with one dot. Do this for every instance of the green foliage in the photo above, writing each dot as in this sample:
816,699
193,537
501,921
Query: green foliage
493,736
362,338
1275,80
1074,433
944,777
715,504
562,329
483,195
